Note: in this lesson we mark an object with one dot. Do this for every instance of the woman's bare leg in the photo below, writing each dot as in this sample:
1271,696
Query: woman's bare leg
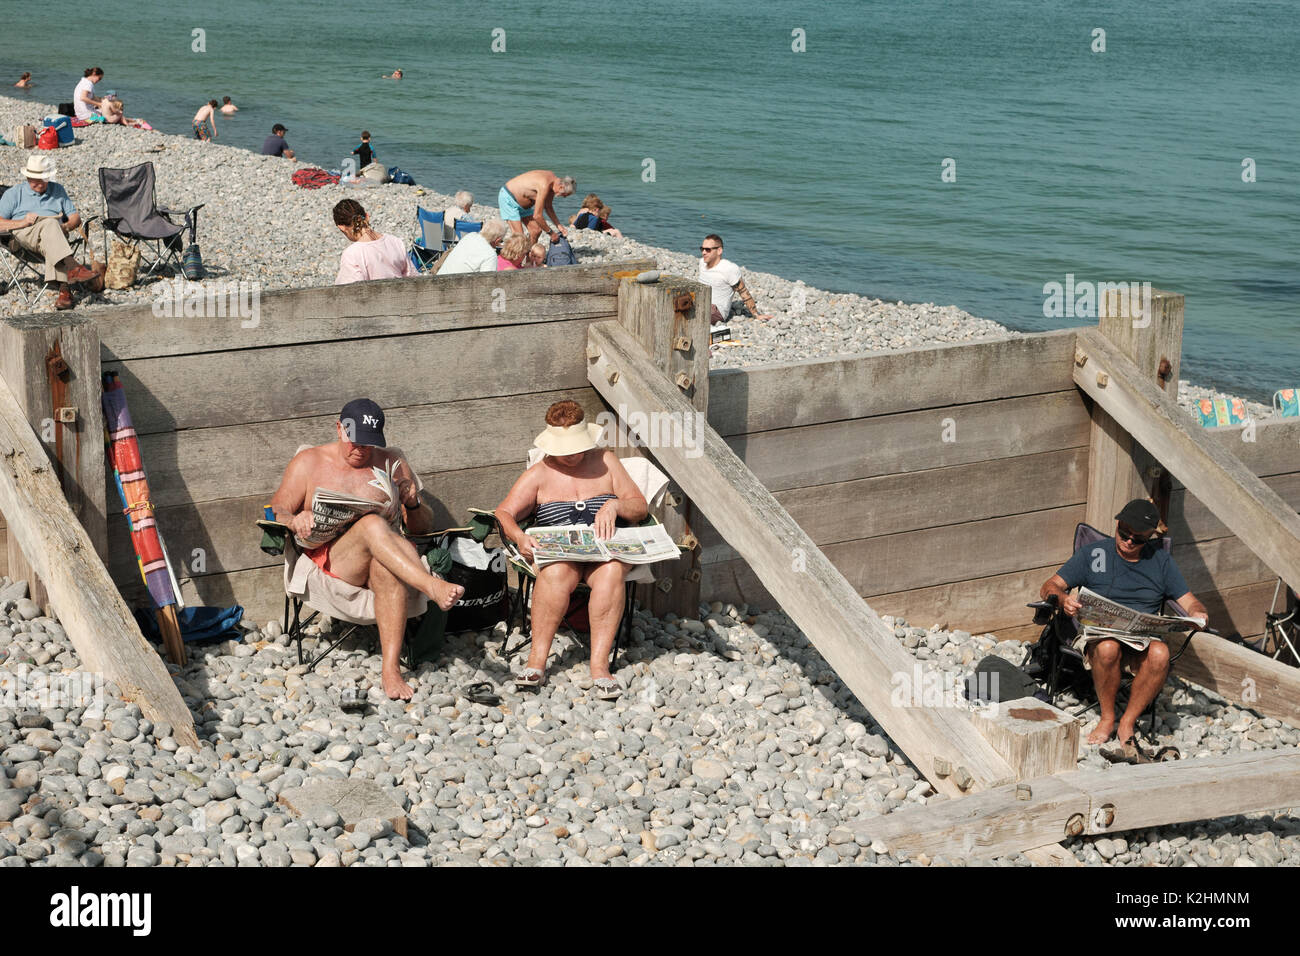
604,611
551,592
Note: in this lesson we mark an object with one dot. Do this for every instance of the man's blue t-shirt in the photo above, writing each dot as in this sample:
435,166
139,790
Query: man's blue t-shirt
274,145
1143,585
19,200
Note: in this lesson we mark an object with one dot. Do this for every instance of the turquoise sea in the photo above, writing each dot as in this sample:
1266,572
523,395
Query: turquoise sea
823,164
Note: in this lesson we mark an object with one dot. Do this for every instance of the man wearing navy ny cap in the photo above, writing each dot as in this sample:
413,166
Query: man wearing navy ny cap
346,503
1134,570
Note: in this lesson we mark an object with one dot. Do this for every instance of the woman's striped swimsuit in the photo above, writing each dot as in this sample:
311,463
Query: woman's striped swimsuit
569,512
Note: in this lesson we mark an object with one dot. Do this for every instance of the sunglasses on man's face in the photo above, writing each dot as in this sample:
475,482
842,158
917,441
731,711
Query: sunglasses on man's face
709,248
1128,534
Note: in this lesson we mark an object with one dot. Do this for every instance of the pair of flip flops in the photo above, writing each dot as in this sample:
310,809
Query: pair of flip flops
1131,751
482,693
603,688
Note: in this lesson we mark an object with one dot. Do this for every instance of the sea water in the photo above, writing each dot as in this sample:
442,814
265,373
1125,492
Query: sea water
972,154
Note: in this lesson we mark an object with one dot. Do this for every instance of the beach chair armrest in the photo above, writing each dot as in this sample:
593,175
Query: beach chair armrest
274,536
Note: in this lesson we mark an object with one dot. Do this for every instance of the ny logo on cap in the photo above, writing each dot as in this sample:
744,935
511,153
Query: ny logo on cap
369,420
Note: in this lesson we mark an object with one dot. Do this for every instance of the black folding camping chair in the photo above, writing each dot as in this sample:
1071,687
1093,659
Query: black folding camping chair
131,212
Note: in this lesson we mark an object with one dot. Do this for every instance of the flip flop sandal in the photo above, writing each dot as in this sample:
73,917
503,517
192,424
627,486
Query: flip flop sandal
530,678
481,693
607,688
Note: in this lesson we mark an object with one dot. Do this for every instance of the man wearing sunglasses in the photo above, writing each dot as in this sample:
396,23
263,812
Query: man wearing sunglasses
724,278
1134,570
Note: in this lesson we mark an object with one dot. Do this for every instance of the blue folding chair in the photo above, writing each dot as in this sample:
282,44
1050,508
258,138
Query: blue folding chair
430,245
464,225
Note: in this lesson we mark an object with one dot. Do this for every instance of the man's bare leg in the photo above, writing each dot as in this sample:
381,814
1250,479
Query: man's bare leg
551,593
534,225
604,611
1152,669
1105,659
371,538
390,618
516,226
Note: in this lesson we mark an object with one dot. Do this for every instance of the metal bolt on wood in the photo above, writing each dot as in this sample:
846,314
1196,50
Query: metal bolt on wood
612,376
682,343
1024,792
1104,815
1102,379
593,351
683,380
1074,825
942,768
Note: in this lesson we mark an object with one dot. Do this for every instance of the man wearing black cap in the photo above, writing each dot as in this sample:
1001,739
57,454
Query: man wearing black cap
1134,570
274,145
354,563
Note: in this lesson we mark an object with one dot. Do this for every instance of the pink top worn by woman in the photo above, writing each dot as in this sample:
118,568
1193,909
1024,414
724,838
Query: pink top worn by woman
504,264
382,258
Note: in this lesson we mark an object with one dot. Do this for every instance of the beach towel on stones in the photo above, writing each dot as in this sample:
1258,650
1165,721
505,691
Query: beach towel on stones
313,178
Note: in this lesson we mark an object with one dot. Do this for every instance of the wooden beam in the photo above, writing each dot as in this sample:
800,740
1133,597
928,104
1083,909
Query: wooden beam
1001,821
1243,676
1036,738
75,447
93,614
1118,468
848,634
670,318
1249,508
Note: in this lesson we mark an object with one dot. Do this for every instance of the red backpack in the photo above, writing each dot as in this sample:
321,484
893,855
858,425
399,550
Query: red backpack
49,138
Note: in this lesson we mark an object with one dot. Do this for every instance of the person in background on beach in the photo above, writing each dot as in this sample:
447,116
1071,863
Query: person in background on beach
84,103
576,482
364,153
513,252
274,145
365,569
24,81
1134,570
34,211
724,278
458,210
371,254
520,199
601,223
228,107
590,207
395,75
207,114
476,251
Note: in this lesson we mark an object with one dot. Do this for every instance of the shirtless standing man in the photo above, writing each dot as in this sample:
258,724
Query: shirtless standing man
368,570
520,198
207,114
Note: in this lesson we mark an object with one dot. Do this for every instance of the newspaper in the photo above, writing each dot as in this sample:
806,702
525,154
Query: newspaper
578,542
332,511
1100,615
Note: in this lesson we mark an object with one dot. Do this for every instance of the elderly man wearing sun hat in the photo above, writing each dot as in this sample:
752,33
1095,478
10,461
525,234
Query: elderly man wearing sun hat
40,215
575,482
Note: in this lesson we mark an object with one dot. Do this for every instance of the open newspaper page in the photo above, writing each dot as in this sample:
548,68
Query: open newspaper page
1102,615
332,511
579,543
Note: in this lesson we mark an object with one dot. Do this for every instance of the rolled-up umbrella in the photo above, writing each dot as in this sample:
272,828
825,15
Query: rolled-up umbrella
133,487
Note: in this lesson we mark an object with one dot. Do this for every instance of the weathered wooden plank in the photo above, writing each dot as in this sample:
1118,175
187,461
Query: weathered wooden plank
848,634
1035,738
266,385
1243,502
1191,520
93,614
811,392
996,823
913,441
1240,611
978,605
209,464
26,346
934,556
1274,450
670,319
224,534
366,309
1150,335
1246,678
1219,564
889,504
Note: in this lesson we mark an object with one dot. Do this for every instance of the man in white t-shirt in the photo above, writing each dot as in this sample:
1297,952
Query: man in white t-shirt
476,252
724,278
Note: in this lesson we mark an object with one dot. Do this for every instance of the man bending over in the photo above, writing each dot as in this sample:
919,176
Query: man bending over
361,568
527,200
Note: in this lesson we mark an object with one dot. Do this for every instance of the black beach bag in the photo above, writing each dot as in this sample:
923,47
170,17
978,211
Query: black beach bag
67,109
997,680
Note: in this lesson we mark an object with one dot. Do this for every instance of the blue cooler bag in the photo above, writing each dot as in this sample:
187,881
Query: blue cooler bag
63,126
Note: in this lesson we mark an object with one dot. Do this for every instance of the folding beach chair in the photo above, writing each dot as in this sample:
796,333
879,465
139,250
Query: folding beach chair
131,212
465,226
19,263
423,632
652,483
1055,662
426,249
1282,627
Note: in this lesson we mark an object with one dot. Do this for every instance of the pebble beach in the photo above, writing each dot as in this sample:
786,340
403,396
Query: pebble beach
734,744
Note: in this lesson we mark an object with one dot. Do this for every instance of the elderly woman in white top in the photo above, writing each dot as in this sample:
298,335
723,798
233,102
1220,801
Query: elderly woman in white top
371,254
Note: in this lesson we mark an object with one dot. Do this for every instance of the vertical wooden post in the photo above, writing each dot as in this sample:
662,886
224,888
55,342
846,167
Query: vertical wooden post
670,319
51,364
1118,468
